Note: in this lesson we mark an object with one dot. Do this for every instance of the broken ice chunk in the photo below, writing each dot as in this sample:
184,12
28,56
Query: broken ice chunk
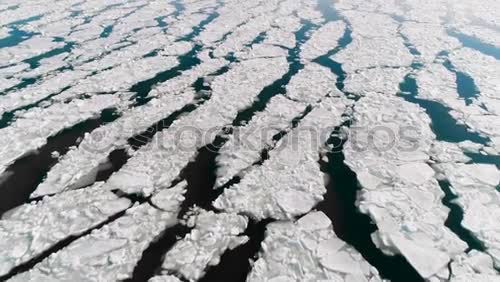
212,235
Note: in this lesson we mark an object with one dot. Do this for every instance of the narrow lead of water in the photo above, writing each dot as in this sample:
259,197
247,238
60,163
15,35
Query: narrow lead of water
34,62
8,117
466,88
349,223
106,31
15,37
455,217
234,264
476,44
277,87
143,88
56,248
443,124
339,202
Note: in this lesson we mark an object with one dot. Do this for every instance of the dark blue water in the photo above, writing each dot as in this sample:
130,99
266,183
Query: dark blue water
25,21
34,62
106,31
466,87
161,21
15,37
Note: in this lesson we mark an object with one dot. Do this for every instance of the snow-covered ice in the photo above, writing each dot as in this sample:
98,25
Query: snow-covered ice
400,192
212,235
111,252
262,76
308,250
290,183
33,228
245,144
311,84
476,188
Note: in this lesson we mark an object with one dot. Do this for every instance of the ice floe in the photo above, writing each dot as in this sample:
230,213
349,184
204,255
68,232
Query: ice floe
308,250
323,40
245,145
290,183
372,52
376,79
473,266
476,186
311,84
400,192
212,235
165,278
111,252
80,165
33,228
